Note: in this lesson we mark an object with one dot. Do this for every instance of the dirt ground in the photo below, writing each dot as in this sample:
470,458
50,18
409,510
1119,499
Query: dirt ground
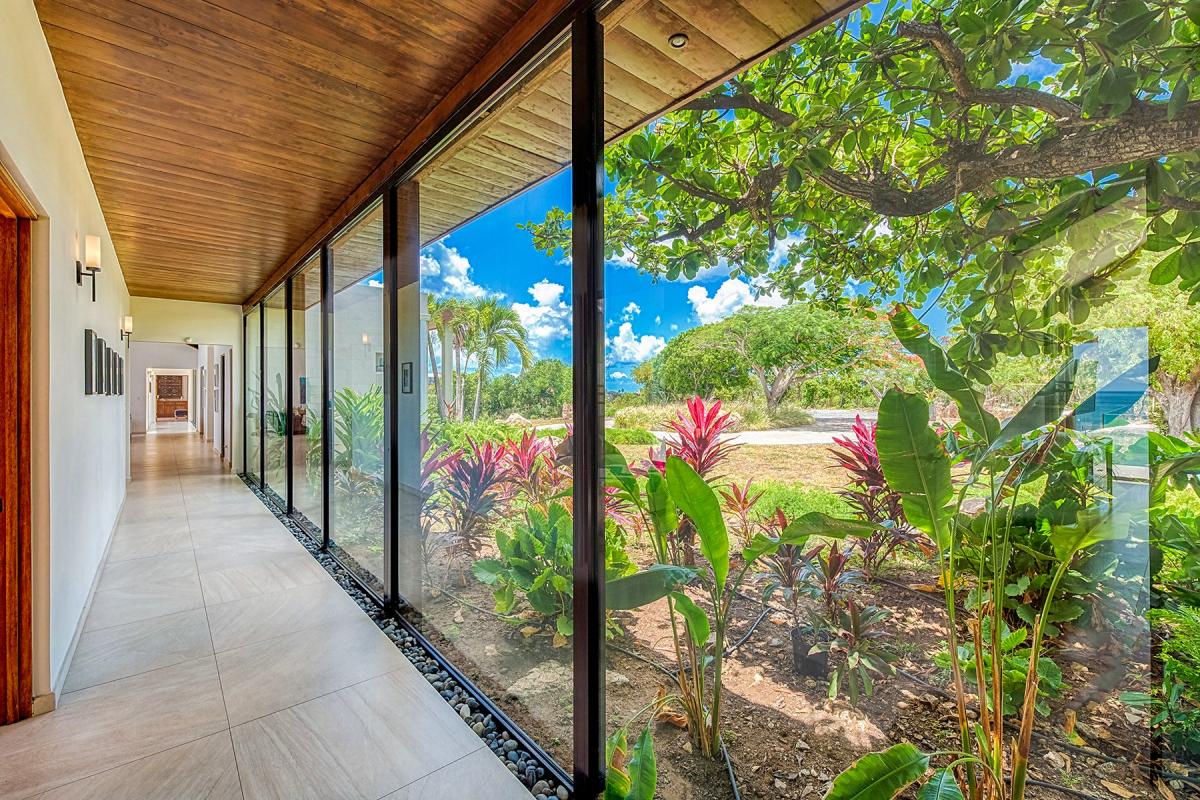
785,737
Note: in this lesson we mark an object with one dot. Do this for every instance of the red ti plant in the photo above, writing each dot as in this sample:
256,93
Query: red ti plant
826,577
472,482
526,465
698,434
871,497
740,501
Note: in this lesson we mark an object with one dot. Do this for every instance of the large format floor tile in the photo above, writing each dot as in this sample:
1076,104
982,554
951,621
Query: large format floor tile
267,616
201,770
270,575
261,678
356,743
109,725
209,613
145,600
124,650
478,776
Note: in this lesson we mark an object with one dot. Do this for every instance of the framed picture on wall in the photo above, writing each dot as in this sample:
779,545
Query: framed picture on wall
108,376
98,362
379,361
115,382
406,378
120,375
89,357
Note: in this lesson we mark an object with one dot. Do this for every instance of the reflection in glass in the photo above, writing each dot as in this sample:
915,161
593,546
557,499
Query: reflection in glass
489,338
275,309
253,366
356,516
307,393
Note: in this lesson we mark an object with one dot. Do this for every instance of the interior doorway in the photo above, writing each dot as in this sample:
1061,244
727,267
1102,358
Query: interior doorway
16,549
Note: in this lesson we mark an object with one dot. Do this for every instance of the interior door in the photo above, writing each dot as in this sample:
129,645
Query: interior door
16,622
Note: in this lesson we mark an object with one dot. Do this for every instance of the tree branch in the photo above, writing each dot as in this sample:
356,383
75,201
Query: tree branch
955,63
729,102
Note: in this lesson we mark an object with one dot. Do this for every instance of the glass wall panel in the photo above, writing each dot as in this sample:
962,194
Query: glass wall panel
253,433
488,372
356,515
275,309
897,354
307,393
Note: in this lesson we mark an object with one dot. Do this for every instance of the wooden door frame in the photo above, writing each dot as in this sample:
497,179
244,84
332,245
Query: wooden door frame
16,544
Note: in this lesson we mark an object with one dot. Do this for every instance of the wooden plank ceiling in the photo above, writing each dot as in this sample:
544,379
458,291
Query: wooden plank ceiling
526,136
221,135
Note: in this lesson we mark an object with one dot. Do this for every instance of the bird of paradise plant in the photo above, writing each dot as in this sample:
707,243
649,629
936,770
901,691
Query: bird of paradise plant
1002,459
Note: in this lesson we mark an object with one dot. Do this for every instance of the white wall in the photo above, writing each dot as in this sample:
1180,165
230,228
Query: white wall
172,321
153,355
80,443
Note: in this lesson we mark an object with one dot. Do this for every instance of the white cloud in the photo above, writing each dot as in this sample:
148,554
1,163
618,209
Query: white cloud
548,318
628,346
630,311
447,273
618,375
674,327
658,320
729,297
779,253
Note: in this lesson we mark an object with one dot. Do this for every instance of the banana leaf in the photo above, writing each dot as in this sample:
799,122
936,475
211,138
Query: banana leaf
915,464
697,499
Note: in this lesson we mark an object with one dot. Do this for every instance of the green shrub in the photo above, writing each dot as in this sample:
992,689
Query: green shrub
456,434
611,435
748,416
796,500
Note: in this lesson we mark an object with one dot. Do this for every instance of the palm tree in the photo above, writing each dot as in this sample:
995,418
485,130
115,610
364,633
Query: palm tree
493,331
442,312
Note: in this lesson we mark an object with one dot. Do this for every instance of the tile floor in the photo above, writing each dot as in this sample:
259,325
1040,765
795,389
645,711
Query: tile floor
219,662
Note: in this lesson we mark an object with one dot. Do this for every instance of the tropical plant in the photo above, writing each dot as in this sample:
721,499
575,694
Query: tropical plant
739,501
1014,667
698,435
494,332
632,774
471,482
855,642
1003,459
526,467
827,578
698,632
871,498
534,562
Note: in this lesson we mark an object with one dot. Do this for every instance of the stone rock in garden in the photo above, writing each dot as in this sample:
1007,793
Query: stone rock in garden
615,678
515,419
549,676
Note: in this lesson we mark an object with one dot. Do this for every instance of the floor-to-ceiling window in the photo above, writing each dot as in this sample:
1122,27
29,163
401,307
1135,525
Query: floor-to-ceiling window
275,399
253,368
485,330
356,461
307,392
895,329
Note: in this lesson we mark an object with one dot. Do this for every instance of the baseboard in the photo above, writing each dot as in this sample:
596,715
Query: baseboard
44,703
57,689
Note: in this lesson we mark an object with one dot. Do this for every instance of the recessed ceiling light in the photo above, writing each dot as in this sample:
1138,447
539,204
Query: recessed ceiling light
677,40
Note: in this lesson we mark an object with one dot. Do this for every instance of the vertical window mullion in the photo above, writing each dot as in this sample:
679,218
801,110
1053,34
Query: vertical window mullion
587,187
391,454
262,397
289,379
326,396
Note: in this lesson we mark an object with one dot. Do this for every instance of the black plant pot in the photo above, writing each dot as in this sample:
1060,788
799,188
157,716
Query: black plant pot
810,666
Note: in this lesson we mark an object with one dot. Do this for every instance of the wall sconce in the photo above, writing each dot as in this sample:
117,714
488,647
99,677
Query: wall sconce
90,264
127,327
366,342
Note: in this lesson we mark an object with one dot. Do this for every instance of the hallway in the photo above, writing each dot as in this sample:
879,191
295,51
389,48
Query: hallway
219,660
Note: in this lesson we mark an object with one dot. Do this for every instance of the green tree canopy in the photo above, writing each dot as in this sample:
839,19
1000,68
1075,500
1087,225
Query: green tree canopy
773,351
920,150
539,391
